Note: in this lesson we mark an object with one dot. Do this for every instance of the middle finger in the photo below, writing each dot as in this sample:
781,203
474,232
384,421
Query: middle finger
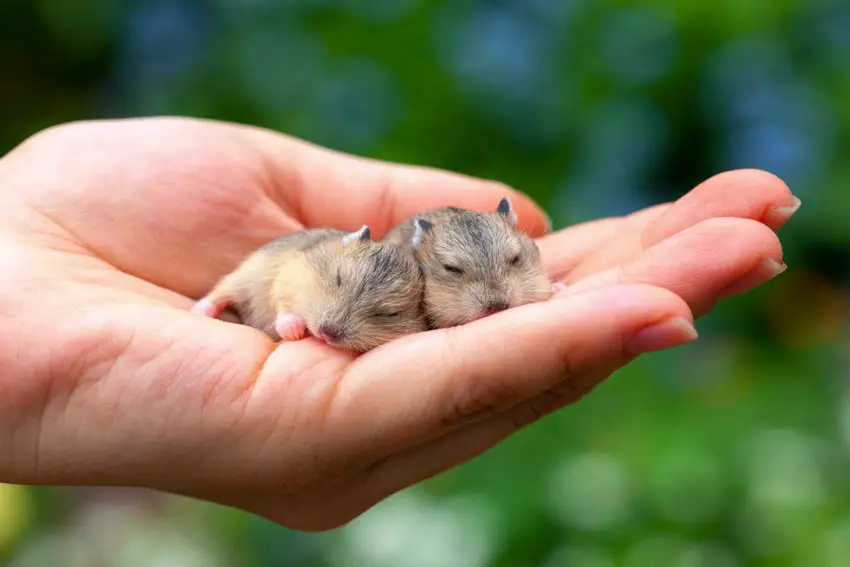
744,194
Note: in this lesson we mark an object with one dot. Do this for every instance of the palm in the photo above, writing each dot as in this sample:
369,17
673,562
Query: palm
159,210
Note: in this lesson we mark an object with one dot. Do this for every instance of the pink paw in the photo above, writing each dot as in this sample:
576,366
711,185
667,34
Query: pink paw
290,327
209,308
557,288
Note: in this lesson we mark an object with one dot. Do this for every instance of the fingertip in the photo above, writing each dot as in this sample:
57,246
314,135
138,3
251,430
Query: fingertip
750,236
767,184
753,185
752,194
777,215
768,192
762,272
713,259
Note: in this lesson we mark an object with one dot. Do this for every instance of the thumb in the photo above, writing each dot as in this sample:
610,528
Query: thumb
426,385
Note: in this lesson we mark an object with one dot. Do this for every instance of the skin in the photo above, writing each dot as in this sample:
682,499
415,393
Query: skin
109,231
475,264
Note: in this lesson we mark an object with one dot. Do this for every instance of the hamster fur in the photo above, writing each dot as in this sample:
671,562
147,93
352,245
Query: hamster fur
344,288
475,264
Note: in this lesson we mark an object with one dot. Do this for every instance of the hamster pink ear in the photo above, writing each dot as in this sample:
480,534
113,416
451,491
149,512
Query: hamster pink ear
507,210
363,234
421,227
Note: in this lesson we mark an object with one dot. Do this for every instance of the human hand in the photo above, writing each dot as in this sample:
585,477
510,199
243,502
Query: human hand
110,230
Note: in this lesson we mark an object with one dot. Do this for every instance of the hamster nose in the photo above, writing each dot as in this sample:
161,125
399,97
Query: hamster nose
330,333
496,306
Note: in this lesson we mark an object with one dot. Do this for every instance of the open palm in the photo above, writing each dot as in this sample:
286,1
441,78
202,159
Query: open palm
110,230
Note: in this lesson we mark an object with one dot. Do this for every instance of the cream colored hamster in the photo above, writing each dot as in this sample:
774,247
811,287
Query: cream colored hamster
342,287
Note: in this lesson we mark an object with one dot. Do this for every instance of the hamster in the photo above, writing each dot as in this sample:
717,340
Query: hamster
475,264
343,287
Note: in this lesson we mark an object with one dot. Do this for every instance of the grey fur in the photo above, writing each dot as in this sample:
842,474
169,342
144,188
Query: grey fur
471,261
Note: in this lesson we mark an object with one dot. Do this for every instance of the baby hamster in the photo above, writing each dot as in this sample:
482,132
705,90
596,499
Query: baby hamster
475,264
344,288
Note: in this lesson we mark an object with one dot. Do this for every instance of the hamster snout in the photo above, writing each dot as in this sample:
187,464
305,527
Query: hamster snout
330,333
492,304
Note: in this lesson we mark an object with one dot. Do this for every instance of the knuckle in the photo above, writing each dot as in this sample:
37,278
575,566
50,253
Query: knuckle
480,400
544,404
530,412
524,415
474,395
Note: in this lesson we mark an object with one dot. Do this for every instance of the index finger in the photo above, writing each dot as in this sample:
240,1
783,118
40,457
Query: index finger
323,187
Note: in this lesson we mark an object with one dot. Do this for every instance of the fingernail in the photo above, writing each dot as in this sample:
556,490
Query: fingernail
773,268
668,333
780,215
762,273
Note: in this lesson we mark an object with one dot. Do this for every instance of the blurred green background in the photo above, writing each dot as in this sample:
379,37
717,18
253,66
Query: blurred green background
734,451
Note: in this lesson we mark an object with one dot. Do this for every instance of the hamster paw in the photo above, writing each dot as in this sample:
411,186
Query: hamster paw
558,287
209,308
290,327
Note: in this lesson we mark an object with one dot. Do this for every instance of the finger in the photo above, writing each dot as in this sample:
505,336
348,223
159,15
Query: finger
712,260
749,194
428,384
746,194
562,251
469,440
328,188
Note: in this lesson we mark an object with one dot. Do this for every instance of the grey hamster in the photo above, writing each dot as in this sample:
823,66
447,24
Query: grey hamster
474,263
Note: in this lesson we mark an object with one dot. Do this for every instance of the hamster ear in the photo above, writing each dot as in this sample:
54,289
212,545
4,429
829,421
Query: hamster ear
507,210
362,234
422,226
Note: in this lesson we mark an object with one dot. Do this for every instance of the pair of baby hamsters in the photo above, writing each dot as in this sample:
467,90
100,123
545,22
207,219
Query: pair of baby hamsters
441,268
